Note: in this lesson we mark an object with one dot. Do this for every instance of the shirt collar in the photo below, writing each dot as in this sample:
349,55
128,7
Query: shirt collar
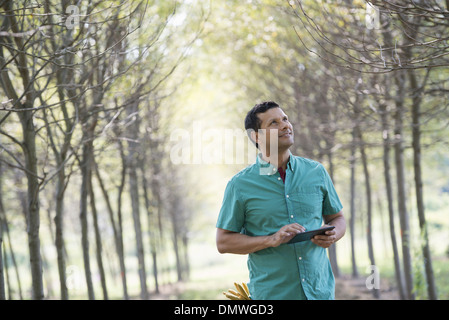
266,168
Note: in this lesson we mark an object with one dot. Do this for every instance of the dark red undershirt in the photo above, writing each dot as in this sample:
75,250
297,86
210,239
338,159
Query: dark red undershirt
282,173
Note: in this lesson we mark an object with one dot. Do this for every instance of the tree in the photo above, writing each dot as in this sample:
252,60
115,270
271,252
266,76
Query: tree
2,222
401,44
22,100
64,80
389,192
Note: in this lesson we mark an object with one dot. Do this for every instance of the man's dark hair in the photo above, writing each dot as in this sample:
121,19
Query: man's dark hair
252,121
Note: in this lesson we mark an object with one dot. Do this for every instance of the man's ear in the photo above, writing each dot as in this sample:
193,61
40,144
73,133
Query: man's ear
254,136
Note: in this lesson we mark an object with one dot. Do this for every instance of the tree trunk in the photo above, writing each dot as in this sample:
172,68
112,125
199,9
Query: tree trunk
29,143
117,237
185,247
2,278
369,228
355,272
399,79
8,284
157,235
134,195
416,134
120,220
152,235
97,238
60,157
155,268
2,213
333,248
174,211
400,177
389,192
13,258
59,239
176,249
85,175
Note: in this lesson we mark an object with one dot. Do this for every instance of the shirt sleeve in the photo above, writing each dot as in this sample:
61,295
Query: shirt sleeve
232,213
331,202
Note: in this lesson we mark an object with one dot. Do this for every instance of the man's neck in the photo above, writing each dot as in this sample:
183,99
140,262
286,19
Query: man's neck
280,161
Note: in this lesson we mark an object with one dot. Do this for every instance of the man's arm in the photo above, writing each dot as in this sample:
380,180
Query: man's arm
234,242
332,236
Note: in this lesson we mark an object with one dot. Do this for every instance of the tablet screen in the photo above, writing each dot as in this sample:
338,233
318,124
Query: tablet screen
307,235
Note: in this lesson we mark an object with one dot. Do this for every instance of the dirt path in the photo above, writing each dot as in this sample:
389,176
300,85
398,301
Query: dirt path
348,288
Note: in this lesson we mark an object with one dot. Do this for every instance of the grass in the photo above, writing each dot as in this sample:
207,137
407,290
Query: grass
214,273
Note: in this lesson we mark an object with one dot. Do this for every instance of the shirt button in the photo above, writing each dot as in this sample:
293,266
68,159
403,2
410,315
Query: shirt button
279,178
300,258
303,279
291,216
287,196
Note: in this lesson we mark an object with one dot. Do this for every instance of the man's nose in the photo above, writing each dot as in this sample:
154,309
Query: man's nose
283,126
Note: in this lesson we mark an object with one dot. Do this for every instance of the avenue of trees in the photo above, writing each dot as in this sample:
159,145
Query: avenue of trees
366,84
91,91
74,121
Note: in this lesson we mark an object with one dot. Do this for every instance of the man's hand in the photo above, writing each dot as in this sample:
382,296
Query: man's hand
325,240
285,234
331,236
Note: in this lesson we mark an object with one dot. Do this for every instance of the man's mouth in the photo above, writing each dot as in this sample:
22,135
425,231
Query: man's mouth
286,134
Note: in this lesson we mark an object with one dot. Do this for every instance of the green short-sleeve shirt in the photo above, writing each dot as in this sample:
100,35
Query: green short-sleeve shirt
257,202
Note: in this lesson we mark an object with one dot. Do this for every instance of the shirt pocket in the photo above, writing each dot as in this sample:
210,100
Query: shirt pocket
308,203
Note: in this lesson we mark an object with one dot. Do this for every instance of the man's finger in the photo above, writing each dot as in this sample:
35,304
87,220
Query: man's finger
295,228
324,237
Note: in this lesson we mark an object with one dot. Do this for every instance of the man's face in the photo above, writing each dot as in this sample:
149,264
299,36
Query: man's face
274,122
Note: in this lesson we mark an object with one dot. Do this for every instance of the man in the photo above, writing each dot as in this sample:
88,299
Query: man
266,204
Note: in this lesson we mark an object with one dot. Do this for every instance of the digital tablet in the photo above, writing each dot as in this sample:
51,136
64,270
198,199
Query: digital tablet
307,235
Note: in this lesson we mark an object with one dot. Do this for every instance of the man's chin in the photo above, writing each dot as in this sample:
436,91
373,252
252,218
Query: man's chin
285,145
